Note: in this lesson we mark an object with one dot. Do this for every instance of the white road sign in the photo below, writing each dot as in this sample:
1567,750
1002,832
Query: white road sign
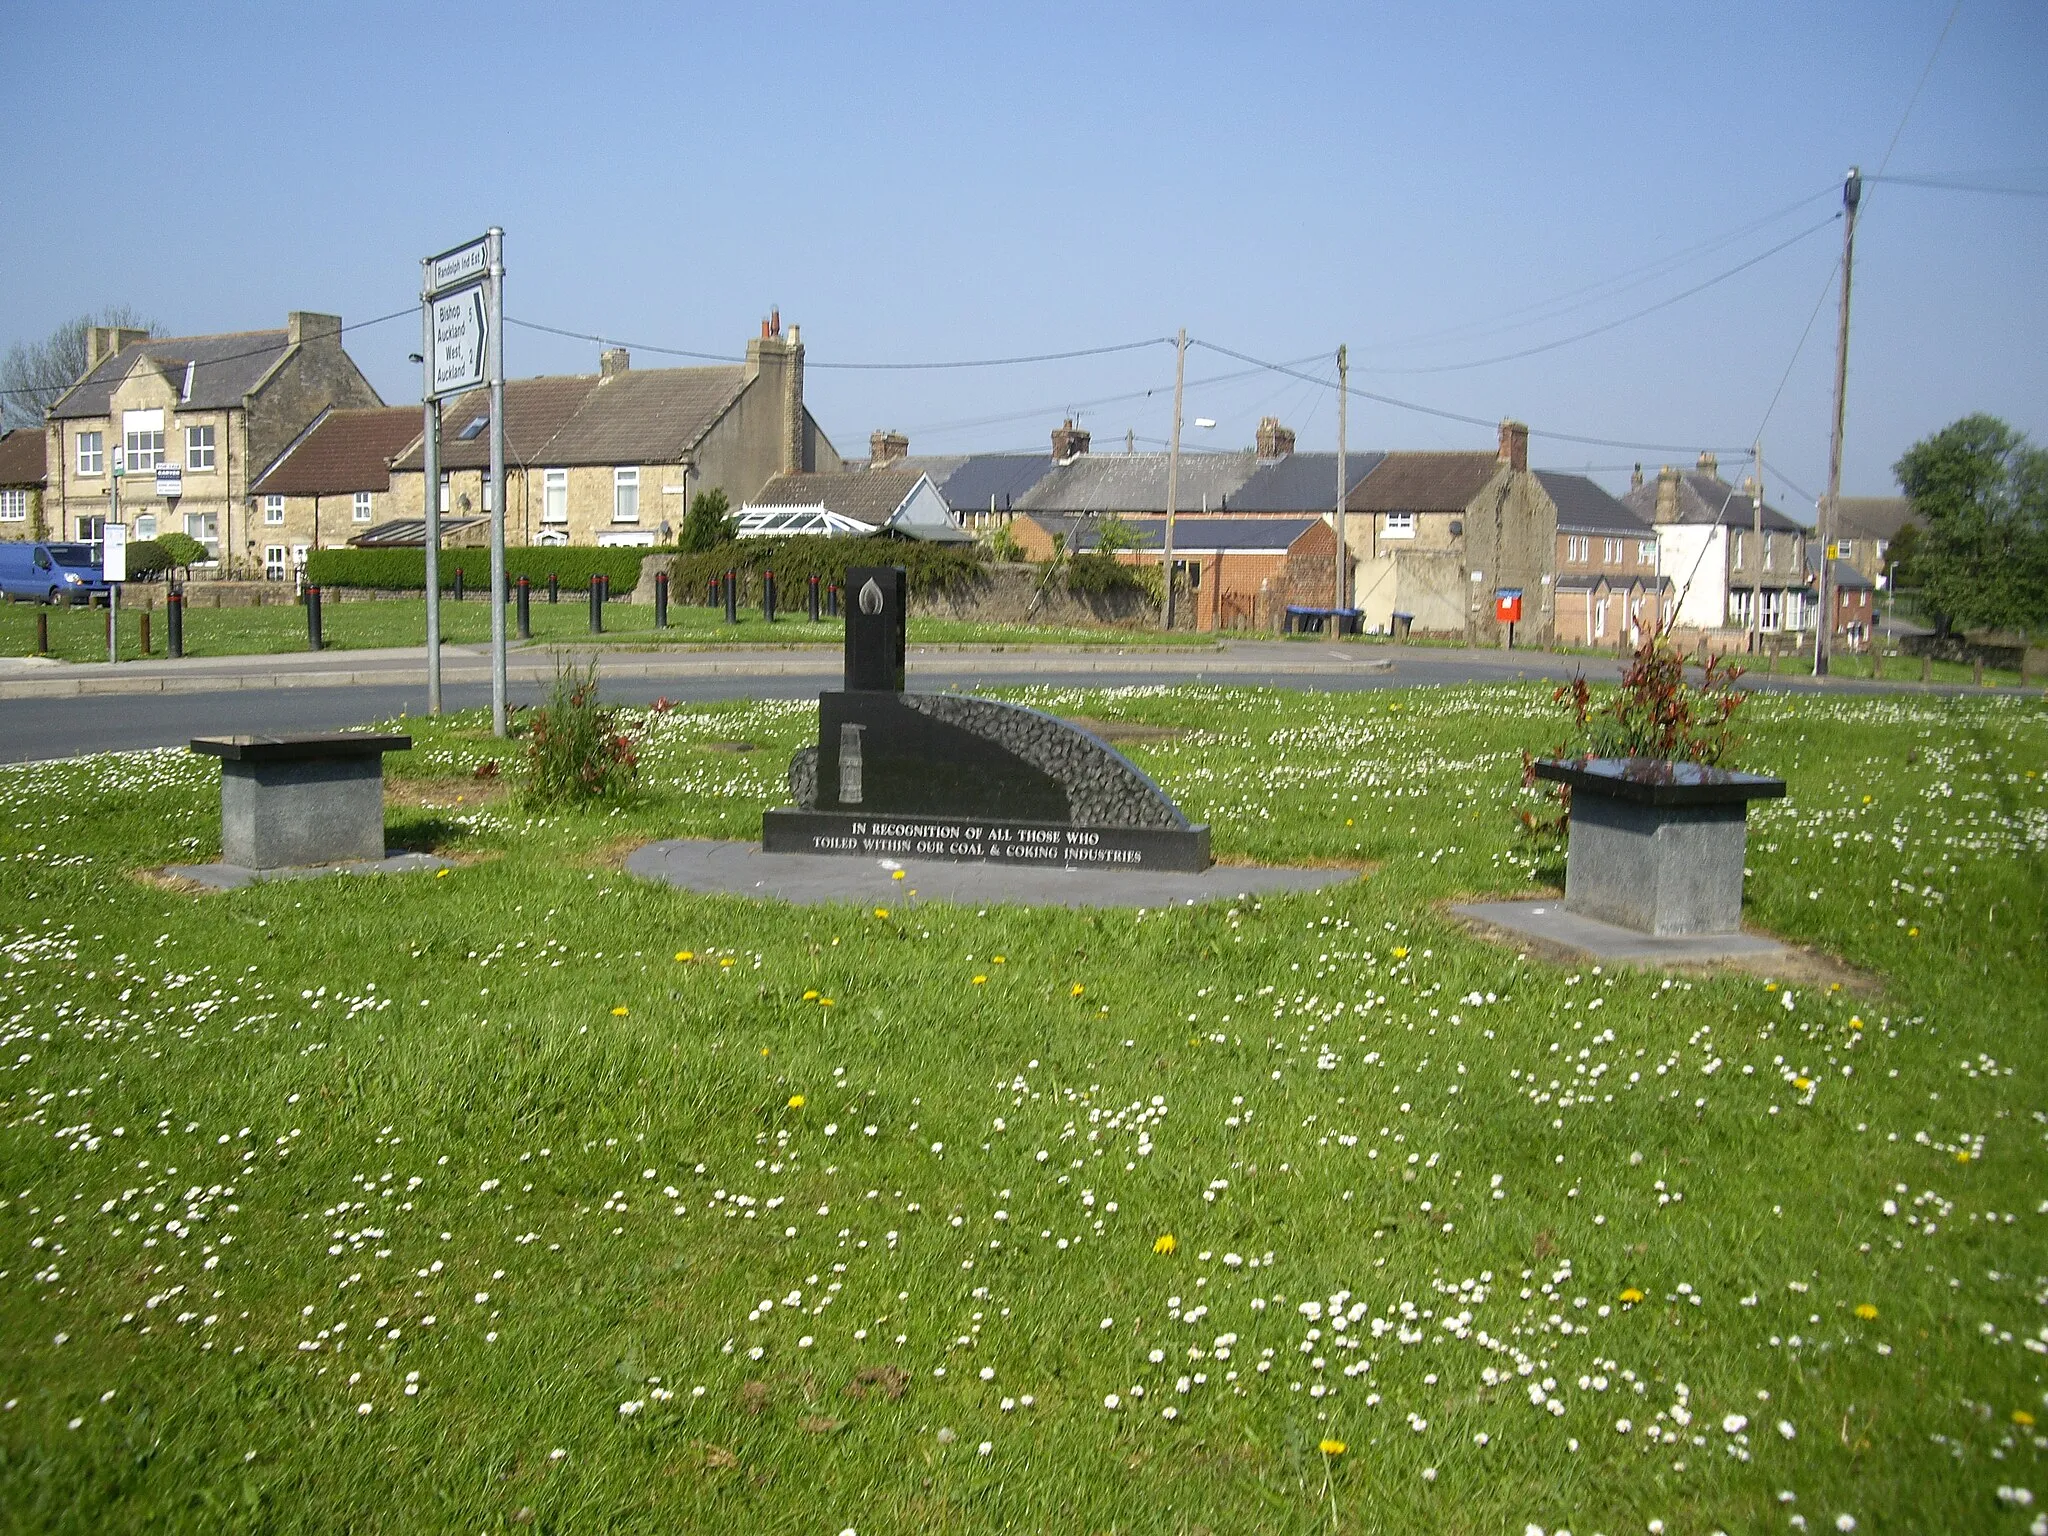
114,552
464,264
458,341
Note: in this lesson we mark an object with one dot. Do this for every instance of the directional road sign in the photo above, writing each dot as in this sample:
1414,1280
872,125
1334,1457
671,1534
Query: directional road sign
459,330
464,264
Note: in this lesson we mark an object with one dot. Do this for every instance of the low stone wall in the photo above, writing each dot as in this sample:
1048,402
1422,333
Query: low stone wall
2031,661
1005,594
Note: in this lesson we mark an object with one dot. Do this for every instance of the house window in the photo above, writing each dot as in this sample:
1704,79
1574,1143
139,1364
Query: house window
13,506
205,527
199,447
554,496
1400,525
1846,549
1774,608
273,562
92,453
1600,619
360,511
1575,549
1610,551
625,495
143,436
273,511
1646,551
1770,551
1738,607
145,525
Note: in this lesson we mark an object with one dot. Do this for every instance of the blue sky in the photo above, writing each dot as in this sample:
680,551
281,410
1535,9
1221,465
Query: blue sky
912,183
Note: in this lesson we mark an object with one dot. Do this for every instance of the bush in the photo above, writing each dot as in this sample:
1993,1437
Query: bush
184,550
148,559
1099,575
931,567
405,570
574,749
708,523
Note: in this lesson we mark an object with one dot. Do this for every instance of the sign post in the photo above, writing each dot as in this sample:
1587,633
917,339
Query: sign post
461,321
114,568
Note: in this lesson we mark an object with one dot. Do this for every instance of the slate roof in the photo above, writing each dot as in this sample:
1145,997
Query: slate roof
1273,535
867,495
1136,482
1424,482
1846,577
969,480
1873,517
1583,507
21,457
1302,482
347,450
225,369
1709,500
535,410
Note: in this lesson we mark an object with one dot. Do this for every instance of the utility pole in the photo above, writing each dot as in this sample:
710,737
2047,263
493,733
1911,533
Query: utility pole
494,345
1180,362
1343,551
1852,194
430,496
1756,550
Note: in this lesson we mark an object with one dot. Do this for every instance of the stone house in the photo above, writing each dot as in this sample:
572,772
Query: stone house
21,483
851,502
1606,587
614,458
1864,529
1717,565
210,412
1435,535
331,484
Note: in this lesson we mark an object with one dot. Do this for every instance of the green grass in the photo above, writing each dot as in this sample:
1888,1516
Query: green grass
486,1135
80,634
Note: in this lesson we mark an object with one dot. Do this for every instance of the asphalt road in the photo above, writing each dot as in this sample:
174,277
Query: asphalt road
34,728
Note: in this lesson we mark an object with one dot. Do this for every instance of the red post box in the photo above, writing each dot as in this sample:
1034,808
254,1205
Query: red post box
1507,605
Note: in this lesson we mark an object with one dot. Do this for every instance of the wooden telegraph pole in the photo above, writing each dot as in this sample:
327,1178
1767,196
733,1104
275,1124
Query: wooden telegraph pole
1852,194
1180,362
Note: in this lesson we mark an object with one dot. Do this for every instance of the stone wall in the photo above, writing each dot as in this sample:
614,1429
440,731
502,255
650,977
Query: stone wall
1005,594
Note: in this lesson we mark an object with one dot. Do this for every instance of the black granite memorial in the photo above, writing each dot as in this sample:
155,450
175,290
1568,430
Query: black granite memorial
950,776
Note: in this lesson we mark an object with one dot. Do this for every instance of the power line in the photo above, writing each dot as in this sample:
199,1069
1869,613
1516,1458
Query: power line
1826,288
978,362
1948,184
1599,330
1914,100
939,428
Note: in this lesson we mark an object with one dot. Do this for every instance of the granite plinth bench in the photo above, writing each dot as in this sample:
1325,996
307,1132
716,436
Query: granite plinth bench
1657,847
309,799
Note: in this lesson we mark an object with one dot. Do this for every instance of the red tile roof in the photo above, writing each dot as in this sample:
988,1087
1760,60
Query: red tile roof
1424,482
348,450
21,457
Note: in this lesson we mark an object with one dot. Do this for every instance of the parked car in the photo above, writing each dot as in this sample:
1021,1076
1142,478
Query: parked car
32,571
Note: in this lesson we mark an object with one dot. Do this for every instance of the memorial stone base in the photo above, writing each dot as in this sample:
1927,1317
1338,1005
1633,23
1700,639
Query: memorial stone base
1012,844
1656,869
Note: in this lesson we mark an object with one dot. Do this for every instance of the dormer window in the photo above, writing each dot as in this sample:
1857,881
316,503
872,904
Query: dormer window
474,430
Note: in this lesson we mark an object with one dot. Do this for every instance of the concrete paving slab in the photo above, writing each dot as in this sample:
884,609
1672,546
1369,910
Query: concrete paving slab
232,877
1547,926
810,879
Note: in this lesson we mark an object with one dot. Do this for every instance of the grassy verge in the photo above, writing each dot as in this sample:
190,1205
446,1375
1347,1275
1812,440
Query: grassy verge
532,1196
80,634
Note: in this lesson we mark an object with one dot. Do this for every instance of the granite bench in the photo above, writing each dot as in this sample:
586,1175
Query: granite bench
295,801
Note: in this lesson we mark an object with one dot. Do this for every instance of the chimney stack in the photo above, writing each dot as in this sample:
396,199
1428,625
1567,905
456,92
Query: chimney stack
1514,445
1274,440
105,341
1710,465
1667,495
302,326
613,360
778,362
1635,481
1068,441
886,448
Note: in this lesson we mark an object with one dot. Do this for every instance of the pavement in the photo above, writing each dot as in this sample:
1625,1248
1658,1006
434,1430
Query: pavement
1548,929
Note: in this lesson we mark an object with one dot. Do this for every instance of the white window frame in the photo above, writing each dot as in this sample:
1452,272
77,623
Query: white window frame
1646,551
273,511
92,453
625,495
554,496
1399,525
145,525
274,566
1610,551
1576,549
13,506
1845,549
205,527
362,508
1600,619
1773,614
199,448
446,487
142,437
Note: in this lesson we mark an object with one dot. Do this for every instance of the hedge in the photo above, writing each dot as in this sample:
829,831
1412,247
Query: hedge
794,560
405,570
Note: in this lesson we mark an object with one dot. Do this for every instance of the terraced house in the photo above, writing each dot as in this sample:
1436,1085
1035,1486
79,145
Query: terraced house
192,420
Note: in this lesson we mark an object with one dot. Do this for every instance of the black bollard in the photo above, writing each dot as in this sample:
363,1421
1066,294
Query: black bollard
145,631
661,599
314,639
174,624
768,596
832,600
811,599
525,604
597,605
554,587
42,634
711,593
458,584
732,597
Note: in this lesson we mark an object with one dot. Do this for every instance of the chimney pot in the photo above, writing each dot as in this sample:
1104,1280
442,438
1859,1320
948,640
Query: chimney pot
886,448
1069,441
613,360
1635,481
1710,465
1667,494
1274,440
1514,444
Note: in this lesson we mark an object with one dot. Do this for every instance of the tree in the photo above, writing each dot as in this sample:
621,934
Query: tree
1113,534
34,374
1899,555
708,523
1981,492
182,550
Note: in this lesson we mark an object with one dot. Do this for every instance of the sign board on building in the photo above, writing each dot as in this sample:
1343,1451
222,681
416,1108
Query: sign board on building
120,457
170,481
114,552
464,264
458,330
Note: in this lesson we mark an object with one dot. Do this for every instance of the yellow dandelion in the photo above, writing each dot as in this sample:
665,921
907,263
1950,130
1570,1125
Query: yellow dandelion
1631,1296
2024,1419
997,958
764,1050
1962,1157
1834,986
979,980
620,1012
1802,1083
726,961
1400,952
796,1101
1855,1022
1912,933
895,874
1868,798
1076,990
824,1002
441,874
1347,821
686,954
1164,1243
1332,1447
811,996
881,911
1770,986
1865,1311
